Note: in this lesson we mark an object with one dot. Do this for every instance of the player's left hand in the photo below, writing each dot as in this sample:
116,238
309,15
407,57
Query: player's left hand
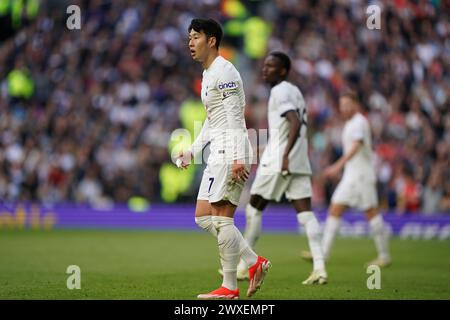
239,172
332,171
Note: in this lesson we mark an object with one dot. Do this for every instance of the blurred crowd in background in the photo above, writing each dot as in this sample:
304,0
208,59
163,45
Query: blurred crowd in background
87,115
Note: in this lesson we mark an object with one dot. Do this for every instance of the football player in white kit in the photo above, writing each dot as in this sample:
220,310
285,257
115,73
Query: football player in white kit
229,161
357,188
284,167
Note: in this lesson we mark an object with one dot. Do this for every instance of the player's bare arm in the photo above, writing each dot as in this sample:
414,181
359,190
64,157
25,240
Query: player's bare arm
294,128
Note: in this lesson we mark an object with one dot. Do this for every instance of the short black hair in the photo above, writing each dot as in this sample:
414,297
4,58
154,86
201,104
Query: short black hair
284,59
210,27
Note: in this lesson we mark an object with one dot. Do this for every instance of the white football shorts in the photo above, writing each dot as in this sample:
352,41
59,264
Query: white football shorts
272,186
217,184
356,193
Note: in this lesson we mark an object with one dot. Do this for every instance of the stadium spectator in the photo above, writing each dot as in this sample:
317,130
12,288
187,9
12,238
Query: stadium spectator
445,201
97,106
408,192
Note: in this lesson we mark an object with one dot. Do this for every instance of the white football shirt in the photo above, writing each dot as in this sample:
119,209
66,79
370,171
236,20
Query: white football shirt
361,164
286,97
224,100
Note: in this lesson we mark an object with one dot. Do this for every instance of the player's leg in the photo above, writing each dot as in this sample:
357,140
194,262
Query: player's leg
232,245
299,192
332,225
266,187
221,218
215,183
308,220
253,214
224,197
228,241
380,236
344,196
203,208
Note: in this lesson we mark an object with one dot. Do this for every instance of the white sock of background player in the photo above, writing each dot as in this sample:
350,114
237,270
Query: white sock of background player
332,225
309,221
380,236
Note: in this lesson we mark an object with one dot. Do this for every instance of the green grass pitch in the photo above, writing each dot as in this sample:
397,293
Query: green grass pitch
179,265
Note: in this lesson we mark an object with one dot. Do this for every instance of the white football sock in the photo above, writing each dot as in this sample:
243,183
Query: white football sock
206,224
309,221
380,236
228,243
247,254
253,226
332,225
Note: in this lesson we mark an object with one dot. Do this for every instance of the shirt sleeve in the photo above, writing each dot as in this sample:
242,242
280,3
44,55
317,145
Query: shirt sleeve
202,139
284,101
229,85
357,130
231,90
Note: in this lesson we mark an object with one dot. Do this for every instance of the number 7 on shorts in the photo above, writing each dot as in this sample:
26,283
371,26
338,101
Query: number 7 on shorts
210,185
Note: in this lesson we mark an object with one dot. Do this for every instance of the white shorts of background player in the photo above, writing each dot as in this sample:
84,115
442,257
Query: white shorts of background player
272,186
358,193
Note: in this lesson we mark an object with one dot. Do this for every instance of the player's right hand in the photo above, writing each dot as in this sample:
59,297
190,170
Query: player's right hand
184,159
239,172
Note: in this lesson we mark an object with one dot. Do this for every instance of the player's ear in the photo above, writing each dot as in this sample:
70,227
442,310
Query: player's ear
212,42
283,72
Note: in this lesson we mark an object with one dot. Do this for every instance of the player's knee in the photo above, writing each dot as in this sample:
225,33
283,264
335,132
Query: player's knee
258,202
302,205
371,213
336,210
204,222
